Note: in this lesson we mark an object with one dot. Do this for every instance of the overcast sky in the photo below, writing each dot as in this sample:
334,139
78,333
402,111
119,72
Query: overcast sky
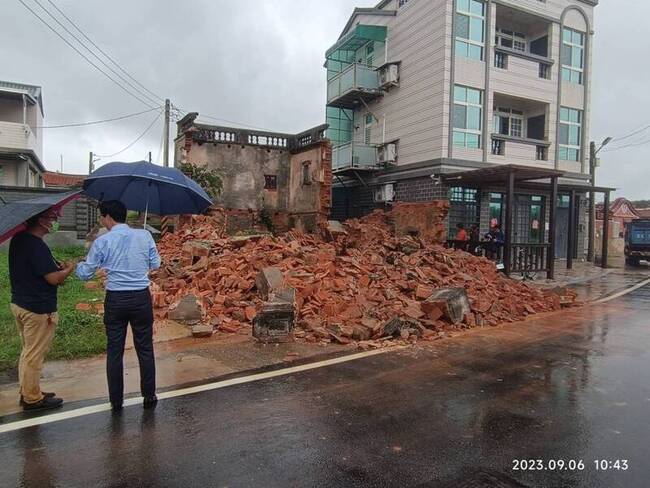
259,62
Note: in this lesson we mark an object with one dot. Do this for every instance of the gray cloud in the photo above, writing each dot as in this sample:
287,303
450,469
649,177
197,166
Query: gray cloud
260,62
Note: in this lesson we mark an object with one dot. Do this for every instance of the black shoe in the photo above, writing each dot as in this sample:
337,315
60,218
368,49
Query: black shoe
116,407
47,403
45,395
150,402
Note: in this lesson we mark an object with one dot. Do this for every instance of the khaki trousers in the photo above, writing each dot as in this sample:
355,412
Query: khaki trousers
36,335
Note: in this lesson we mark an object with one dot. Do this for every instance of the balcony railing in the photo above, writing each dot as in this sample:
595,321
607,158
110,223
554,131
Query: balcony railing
540,64
354,155
18,136
356,81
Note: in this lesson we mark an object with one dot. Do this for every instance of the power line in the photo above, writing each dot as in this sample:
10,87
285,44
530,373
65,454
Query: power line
82,44
134,142
98,121
104,52
642,129
83,55
634,144
218,119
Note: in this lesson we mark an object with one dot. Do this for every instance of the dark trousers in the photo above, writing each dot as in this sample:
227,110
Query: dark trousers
120,309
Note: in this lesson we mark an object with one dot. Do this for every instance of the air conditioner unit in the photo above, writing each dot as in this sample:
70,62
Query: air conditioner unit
387,153
389,76
385,193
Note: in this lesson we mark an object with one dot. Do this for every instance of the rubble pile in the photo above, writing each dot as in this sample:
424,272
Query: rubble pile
357,282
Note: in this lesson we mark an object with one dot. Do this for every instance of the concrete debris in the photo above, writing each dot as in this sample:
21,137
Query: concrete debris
187,311
202,330
374,284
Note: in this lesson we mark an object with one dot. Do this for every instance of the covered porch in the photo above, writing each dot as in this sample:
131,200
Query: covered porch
520,252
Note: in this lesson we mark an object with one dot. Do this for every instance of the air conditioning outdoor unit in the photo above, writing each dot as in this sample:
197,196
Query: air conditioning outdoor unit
385,193
387,153
389,76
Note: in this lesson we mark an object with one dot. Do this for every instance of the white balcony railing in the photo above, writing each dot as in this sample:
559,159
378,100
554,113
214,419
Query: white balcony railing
18,136
354,155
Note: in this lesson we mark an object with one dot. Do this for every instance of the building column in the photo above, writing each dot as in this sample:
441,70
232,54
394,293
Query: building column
605,251
572,230
552,223
510,197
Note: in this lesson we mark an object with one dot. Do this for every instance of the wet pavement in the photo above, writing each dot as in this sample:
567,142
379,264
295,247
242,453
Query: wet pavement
571,386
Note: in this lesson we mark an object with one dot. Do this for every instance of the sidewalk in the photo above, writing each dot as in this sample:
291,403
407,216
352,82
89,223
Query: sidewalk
181,359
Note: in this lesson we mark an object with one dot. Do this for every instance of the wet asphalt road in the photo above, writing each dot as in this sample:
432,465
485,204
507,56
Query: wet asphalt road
574,386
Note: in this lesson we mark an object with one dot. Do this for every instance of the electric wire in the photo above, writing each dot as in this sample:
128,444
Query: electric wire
148,104
104,52
82,44
135,141
95,122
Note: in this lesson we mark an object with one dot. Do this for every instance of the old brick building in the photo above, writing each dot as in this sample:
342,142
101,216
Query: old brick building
287,176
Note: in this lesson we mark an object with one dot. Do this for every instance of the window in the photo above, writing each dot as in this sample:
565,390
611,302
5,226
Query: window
570,134
401,3
470,29
573,49
306,173
468,116
500,60
498,147
370,51
510,39
270,182
340,125
544,71
367,135
509,122
463,209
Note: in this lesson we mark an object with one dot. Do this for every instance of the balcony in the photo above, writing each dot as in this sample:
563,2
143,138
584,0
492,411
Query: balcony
354,155
522,57
355,83
18,136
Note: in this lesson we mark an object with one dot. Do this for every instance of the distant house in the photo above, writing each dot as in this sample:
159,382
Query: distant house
644,213
21,141
621,213
62,180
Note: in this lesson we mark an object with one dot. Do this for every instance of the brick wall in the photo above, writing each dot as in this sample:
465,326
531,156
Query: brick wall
426,220
420,190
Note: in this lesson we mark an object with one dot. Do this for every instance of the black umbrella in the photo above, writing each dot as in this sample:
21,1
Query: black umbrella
14,215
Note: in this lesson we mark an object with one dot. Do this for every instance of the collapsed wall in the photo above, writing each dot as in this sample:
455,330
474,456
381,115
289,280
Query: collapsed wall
371,279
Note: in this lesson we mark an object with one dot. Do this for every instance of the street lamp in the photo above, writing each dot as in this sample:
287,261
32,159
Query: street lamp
593,152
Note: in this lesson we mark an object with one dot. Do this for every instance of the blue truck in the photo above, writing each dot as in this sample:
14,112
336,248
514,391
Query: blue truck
637,242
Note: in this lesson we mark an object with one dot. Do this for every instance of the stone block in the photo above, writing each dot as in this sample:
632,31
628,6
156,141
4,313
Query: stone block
453,302
275,322
187,311
267,281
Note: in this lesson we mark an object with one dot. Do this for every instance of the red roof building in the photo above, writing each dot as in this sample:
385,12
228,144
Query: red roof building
62,180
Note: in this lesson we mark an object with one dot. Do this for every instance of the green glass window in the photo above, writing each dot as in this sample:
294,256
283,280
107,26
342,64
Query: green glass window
467,117
469,29
570,134
340,125
572,56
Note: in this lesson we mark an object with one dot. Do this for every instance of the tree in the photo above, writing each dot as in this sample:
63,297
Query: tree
208,179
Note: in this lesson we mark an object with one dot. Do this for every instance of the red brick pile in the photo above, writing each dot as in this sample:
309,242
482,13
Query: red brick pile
349,286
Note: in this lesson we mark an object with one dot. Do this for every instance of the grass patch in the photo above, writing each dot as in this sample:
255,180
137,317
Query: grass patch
79,334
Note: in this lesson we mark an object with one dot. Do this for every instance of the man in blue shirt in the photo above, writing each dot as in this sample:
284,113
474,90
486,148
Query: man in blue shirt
127,255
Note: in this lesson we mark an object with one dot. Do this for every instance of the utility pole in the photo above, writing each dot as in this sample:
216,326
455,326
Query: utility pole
592,203
91,163
593,164
166,134
149,157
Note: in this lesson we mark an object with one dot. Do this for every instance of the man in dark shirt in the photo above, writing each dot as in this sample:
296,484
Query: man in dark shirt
34,277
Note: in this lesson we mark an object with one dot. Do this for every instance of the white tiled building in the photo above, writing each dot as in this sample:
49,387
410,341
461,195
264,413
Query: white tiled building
425,87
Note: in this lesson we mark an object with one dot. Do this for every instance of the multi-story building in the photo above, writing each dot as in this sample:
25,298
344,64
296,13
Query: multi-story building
21,139
422,88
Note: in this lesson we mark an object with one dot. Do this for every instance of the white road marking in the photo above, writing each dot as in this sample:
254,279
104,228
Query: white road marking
104,407
624,292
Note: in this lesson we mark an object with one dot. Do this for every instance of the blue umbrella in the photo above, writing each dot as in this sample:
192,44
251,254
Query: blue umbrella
146,187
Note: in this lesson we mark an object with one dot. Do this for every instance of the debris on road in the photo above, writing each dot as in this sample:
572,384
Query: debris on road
372,280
